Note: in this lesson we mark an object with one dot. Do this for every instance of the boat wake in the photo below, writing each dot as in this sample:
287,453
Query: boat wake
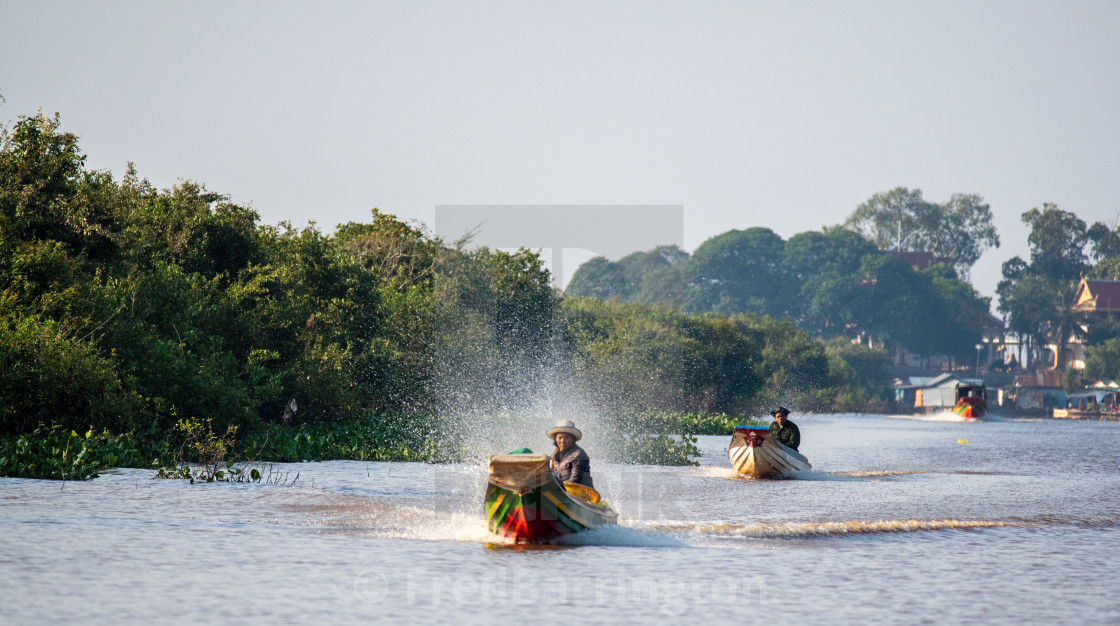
714,471
729,473
947,416
684,534
365,518
822,476
335,513
806,475
824,529
622,536
876,473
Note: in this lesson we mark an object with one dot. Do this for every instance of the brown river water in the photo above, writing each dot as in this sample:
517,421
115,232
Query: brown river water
899,522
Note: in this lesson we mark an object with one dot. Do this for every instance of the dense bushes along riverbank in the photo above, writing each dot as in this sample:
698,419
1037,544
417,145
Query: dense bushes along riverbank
127,309
194,449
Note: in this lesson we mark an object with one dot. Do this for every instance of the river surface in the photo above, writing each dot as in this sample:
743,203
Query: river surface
900,521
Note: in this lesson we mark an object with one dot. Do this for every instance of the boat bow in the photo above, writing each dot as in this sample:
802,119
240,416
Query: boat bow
754,452
528,504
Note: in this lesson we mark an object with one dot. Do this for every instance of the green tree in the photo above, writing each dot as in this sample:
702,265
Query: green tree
1057,243
741,271
826,264
1105,241
1102,360
44,189
633,356
959,230
493,342
859,375
793,365
892,219
1105,252
651,277
393,251
660,276
953,315
1038,297
597,278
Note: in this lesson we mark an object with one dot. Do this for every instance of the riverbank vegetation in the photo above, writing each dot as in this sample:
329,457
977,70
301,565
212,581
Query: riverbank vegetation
59,454
831,284
128,311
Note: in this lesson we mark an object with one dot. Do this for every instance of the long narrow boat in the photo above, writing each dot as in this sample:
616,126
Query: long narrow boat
972,401
754,452
528,504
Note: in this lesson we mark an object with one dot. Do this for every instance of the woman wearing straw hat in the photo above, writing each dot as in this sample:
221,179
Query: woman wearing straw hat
569,461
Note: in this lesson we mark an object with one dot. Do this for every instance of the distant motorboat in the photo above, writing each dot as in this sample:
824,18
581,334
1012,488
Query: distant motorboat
947,393
972,401
754,452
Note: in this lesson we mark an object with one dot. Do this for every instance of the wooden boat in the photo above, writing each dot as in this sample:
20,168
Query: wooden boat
526,502
754,452
1086,414
972,401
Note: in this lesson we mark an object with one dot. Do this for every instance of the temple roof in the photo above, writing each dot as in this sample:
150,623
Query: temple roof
1099,296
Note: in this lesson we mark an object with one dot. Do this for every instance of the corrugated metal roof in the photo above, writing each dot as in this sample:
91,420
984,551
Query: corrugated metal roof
1041,378
943,379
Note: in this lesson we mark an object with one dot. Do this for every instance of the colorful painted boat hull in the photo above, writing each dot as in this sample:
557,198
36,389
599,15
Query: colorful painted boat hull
754,452
971,408
972,401
526,503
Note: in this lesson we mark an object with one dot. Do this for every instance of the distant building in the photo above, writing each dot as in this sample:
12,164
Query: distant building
1041,390
919,260
930,395
1098,298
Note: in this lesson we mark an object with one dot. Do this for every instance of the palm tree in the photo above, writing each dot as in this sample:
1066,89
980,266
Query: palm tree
1064,323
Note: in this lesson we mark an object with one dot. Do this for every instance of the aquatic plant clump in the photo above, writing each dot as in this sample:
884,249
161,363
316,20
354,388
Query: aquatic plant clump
202,457
59,454
694,422
664,437
384,436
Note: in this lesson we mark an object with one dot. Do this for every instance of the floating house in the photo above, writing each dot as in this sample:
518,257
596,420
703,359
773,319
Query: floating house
1039,392
931,395
1100,401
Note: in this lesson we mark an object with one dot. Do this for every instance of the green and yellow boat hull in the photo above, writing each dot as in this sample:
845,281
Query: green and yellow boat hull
526,503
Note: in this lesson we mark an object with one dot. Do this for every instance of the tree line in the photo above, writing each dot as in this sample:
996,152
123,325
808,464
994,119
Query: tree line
1037,295
848,280
833,284
128,308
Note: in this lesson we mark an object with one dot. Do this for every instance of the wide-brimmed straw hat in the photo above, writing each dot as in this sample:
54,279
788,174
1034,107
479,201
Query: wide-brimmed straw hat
565,426
783,410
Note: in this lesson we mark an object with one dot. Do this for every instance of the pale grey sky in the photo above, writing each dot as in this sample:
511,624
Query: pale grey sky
778,114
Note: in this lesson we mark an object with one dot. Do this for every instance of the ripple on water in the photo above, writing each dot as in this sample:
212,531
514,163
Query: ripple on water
828,529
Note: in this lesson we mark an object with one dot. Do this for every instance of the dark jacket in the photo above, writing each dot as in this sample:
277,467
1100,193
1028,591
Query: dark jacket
573,465
789,435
